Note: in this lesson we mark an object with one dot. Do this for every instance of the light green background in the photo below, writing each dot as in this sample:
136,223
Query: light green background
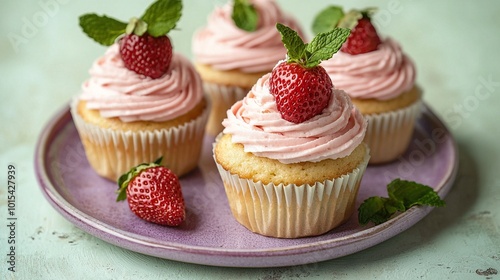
455,45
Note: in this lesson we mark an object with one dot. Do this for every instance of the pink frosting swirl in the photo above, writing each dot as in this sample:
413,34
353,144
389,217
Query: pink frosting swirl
381,74
116,91
256,123
224,46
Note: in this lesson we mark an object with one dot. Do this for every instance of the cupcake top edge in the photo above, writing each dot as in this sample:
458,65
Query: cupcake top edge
381,74
116,91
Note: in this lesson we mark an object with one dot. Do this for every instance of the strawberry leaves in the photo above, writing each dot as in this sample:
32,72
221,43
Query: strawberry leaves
322,47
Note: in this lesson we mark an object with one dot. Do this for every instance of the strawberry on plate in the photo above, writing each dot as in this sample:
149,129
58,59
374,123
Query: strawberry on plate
145,47
153,193
300,86
364,37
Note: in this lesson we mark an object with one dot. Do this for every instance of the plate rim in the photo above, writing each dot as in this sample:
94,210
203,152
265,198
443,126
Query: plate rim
106,232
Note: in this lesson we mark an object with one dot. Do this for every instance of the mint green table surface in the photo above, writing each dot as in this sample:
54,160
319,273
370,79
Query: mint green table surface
456,47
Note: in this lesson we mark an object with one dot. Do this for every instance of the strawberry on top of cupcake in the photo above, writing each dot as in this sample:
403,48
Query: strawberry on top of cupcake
295,113
367,65
378,76
142,99
139,77
238,44
292,149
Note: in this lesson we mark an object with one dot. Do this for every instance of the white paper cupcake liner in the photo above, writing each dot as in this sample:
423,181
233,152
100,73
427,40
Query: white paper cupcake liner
111,152
388,134
223,97
292,211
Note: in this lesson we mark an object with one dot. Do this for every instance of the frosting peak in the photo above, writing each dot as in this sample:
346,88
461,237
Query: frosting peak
381,74
116,91
224,46
256,123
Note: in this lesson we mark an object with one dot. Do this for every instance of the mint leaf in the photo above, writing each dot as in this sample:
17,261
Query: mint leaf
378,209
293,43
245,15
392,206
402,196
324,45
372,209
162,16
102,29
327,19
412,194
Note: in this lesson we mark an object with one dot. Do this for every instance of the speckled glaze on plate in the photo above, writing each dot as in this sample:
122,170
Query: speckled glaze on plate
210,235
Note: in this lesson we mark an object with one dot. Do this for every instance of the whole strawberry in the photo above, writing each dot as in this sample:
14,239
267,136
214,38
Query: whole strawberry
146,54
145,48
364,37
300,86
153,193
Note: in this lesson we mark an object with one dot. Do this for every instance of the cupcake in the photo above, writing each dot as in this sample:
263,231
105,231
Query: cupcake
231,53
131,111
288,173
380,79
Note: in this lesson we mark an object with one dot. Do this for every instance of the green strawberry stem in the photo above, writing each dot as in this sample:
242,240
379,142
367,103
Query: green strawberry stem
322,47
136,26
158,19
125,179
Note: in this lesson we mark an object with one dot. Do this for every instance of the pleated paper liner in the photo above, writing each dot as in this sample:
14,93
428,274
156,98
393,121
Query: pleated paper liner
388,134
111,153
223,97
292,211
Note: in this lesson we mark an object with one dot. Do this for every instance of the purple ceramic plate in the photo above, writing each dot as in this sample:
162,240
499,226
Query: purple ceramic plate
210,235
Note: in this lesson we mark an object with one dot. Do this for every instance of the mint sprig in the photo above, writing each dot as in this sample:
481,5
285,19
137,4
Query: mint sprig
402,196
162,16
245,15
104,30
322,47
158,19
327,19
334,16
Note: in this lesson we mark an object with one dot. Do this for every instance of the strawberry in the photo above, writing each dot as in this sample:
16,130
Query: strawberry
300,86
153,193
145,48
299,99
363,38
146,54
